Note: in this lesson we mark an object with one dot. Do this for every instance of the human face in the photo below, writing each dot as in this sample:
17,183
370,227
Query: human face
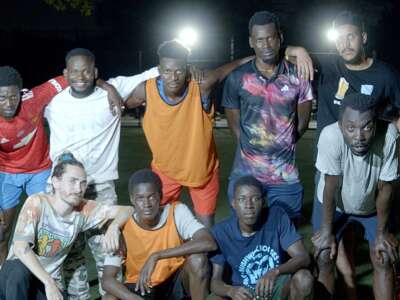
350,43
248,203
265,40
358,130
173,73
80,74
10,97
71,186
145,197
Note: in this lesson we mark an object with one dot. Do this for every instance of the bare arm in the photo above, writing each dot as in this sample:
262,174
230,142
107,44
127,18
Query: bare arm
300,57
324,238
137,97
120,215
233,117
25,254
213,77
222,289
303,118
115,288
385,242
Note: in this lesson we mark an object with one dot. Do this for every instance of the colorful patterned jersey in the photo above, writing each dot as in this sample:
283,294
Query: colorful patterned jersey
268,123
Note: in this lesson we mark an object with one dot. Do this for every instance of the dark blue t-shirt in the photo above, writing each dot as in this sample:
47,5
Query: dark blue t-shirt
252,257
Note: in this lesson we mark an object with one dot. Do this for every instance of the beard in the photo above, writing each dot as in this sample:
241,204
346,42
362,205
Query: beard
356,60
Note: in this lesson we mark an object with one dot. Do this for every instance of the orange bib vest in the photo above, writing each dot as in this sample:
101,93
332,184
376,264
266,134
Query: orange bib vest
180,136
141,243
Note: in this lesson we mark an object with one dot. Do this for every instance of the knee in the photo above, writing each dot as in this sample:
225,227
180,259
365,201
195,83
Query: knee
325,263
17,272
303,282
198,265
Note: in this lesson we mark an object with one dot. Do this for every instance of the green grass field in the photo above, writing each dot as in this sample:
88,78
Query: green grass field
135,154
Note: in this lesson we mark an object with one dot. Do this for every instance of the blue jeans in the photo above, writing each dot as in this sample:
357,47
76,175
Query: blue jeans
12,186
287,196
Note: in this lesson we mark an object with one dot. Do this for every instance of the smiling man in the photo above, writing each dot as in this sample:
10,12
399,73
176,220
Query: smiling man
263,249
268,107
358,162
80,121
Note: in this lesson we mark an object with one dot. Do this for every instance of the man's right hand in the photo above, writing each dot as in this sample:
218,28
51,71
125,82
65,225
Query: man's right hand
240,293
52,291
323,240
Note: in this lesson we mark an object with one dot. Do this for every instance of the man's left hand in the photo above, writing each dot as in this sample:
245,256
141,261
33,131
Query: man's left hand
114,99
265,284
111,239
386,243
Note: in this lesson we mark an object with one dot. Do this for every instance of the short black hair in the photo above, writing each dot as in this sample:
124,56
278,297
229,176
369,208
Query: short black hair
249,181
358,102
263,18
80,51
173,49
10,76
348,18
144,176
64,160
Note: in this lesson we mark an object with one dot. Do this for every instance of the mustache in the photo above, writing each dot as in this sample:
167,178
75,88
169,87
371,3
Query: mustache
348,49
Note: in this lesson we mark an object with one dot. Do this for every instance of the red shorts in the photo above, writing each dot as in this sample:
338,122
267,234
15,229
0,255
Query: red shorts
204,197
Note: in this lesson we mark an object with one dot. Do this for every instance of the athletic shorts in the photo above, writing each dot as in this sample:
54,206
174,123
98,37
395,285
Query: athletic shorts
342,220
171,289
204,197
12,186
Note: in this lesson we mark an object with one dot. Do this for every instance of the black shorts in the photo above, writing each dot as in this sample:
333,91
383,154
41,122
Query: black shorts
171,289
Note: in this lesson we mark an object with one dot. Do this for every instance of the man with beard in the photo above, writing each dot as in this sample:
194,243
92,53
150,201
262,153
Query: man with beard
350,71
80,121
358,161
46,229
263,249
268,108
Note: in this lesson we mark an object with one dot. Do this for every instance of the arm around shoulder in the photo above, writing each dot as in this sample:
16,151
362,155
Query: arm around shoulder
137,97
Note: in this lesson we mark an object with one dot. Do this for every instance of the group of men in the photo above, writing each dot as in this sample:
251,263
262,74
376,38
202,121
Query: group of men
164,250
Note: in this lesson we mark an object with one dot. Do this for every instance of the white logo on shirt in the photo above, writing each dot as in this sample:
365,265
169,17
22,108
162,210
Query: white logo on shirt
257,263
285,88
25,140
4,140
367,89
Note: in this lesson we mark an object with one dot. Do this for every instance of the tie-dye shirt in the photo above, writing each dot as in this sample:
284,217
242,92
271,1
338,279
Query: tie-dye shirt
268,125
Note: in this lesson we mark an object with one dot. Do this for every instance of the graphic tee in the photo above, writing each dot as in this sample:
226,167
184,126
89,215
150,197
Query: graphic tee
336,81
268,128
252,257
52,235
23,141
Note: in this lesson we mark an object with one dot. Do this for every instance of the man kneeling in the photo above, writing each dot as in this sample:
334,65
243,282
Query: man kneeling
47,227
163,248
254,245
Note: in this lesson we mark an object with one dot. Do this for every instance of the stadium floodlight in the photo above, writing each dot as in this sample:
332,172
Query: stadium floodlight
332,34
188,36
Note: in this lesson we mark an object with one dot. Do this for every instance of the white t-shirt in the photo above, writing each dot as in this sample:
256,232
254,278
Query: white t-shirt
186,225
52,235
86,127
359,174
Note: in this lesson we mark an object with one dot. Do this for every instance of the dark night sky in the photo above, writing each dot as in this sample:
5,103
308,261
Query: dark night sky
35,37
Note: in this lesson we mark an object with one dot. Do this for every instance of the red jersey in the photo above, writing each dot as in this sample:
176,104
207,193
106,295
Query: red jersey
23,141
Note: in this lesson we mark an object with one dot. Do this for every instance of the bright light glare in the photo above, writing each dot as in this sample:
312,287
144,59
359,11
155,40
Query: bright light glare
331,34
188,36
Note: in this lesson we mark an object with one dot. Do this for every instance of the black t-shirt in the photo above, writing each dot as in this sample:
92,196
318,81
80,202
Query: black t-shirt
335,81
